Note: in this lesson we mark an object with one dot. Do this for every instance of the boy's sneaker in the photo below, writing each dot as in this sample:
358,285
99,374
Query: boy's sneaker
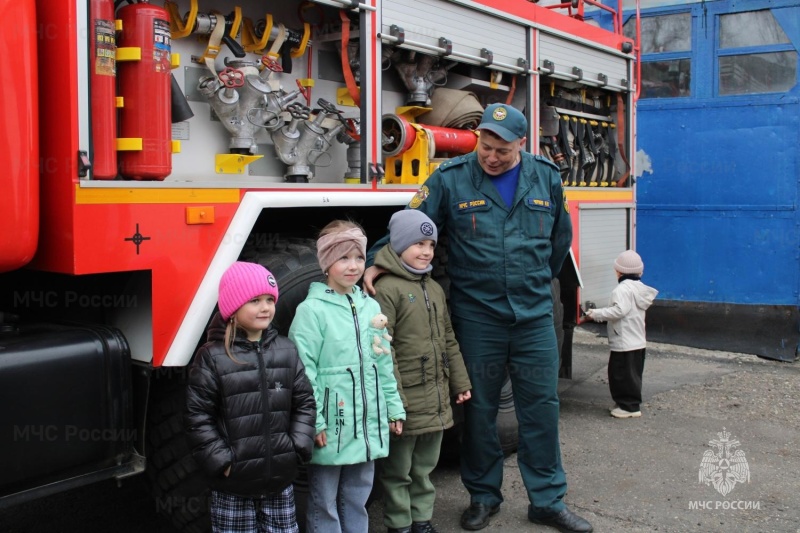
610,409
618,412
423,527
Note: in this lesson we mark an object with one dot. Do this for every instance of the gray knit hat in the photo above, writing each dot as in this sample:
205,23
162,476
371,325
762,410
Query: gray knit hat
409,226
629,262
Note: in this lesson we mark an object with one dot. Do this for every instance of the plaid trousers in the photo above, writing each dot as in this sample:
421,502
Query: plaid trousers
275,513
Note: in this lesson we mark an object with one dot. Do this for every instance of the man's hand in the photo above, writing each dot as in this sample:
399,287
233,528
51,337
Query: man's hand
463,397
370,275
228,471
321,439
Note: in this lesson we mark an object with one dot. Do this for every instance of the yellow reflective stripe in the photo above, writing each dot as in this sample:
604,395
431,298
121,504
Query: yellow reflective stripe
609,195
107,195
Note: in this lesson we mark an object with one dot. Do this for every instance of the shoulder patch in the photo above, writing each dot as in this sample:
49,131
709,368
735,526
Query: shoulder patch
418,198
545,160
453,162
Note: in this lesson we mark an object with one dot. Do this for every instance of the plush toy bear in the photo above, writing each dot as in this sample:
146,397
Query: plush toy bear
378,324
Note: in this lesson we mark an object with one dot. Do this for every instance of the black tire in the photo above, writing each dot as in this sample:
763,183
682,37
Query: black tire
507,426
558,314
295,267
177,484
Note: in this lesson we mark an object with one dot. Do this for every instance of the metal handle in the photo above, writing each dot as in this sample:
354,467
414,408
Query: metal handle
487,60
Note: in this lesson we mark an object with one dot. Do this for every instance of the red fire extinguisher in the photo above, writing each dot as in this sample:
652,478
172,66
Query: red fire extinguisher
103,87
145,88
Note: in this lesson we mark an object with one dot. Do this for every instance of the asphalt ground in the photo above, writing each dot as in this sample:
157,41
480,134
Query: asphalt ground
643,475
625,476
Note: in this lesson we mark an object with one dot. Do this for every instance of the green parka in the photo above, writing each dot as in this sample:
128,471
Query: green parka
355,390
427,357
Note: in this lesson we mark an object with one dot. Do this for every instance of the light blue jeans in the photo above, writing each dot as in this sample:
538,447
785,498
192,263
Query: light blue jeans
337,498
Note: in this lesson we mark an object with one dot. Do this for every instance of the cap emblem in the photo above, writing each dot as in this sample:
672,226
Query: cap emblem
500,114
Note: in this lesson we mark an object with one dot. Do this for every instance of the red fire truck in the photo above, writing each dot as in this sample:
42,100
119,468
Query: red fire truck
147,146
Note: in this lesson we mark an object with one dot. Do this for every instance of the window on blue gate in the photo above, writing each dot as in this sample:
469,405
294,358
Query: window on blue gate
666,54
755,55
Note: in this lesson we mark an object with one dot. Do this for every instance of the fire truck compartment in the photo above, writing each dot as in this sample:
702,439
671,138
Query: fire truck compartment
67,406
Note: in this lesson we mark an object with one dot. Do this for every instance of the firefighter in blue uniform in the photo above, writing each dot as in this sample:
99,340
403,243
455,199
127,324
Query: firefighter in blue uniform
509,231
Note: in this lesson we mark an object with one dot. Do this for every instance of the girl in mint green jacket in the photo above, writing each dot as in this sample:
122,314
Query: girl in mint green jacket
358,403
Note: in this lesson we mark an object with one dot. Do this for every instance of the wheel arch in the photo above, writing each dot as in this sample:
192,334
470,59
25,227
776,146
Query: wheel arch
240,231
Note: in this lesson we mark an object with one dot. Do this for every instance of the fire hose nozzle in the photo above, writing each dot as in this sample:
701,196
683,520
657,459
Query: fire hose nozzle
399,135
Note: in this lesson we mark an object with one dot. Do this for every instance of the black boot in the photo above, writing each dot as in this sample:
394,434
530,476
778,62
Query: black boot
566,521
477,515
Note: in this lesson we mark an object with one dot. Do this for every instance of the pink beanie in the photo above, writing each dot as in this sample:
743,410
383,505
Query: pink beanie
241,283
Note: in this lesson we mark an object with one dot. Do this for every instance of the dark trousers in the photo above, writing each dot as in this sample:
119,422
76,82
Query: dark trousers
530,355
625,371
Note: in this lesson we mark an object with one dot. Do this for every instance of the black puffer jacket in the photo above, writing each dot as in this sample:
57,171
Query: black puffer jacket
257,416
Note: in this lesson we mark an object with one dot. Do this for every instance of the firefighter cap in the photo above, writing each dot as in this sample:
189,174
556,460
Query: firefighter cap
506,121
241,283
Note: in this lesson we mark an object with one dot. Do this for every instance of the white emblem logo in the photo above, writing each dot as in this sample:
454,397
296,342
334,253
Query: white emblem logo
724,467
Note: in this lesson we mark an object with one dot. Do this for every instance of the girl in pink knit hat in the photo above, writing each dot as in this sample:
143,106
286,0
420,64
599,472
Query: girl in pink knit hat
250,409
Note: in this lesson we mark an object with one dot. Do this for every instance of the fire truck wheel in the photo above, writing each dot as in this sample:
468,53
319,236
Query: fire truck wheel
507,420
558,314
176,482
295,267
507,426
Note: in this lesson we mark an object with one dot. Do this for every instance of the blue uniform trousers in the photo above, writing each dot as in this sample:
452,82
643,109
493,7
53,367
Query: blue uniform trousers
531,355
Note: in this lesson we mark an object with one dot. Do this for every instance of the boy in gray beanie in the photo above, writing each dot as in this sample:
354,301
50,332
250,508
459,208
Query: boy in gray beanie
428,366
408,227
626,334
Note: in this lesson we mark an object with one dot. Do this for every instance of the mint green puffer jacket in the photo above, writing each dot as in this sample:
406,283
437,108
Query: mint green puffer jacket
355,390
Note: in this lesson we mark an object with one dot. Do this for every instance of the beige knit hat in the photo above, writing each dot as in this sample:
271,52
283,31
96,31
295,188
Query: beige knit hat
629,262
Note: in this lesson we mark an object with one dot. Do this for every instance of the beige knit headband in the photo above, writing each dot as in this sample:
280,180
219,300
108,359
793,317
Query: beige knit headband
332,246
